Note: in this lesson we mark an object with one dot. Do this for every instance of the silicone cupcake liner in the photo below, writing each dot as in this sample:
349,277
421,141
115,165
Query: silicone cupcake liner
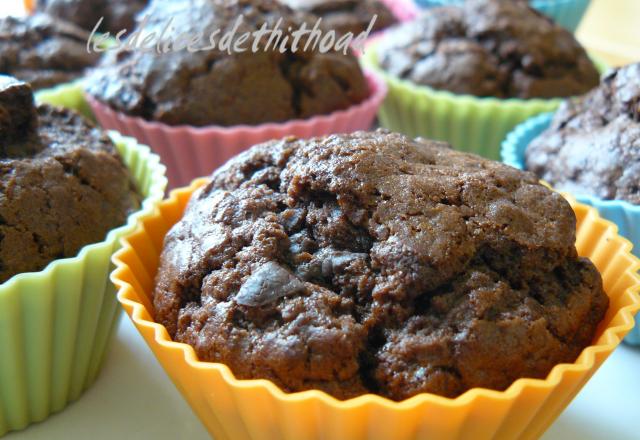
257,409
55,324
472,124
69,95
190,152
623,214
29,5
612,32
567,13
404,10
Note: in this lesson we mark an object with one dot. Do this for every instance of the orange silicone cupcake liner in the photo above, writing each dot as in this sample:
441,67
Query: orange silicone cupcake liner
233,409
30,6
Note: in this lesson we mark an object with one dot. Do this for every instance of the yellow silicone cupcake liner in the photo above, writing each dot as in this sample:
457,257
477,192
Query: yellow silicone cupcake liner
233,409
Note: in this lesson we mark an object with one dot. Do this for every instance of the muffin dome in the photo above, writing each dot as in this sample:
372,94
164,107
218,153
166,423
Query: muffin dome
43,51
347,15
215,87
593,144
62,183
499,48
375,263
117,14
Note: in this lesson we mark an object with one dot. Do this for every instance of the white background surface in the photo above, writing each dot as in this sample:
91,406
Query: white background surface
133,398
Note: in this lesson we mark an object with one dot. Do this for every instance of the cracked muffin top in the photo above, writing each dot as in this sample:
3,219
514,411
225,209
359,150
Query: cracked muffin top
593,144
43,51
117,15
499,48
373,263
213,87
347,15
62,183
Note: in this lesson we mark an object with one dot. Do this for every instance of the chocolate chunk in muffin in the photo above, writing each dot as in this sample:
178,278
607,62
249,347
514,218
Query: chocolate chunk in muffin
43,51
62,183
499,48
345,16
213,87
116,15
375,263
593,144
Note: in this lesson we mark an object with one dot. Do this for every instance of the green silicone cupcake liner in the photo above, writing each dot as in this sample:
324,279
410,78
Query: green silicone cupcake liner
55,325
69,95
472,124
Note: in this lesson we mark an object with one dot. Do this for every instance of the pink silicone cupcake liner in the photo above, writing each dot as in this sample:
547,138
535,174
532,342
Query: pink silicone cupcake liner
404,10
190,152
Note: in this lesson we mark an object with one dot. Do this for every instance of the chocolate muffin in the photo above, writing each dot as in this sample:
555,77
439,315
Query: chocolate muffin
593,144
219,87
62,183
345,16
375,263
117,15
43,51
499,48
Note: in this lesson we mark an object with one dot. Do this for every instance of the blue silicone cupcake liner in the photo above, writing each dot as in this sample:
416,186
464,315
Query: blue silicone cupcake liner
567,13
623,214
